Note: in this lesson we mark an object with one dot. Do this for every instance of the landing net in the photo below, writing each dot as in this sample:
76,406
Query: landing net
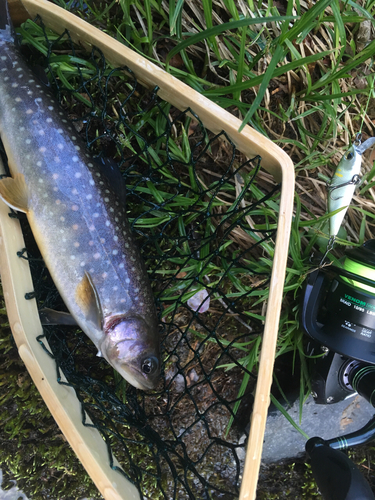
205,219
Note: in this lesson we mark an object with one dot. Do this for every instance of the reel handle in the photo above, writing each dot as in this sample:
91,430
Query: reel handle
337,477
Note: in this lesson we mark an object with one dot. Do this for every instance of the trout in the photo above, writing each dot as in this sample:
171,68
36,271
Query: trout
78,220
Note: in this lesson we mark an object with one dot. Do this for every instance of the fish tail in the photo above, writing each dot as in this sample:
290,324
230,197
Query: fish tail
6,25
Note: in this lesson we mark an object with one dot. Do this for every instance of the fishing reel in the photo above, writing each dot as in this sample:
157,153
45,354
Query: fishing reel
338,308
338,313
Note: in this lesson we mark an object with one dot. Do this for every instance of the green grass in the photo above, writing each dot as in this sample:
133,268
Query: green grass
299,76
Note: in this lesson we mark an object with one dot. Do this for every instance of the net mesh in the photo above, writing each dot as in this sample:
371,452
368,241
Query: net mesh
204,217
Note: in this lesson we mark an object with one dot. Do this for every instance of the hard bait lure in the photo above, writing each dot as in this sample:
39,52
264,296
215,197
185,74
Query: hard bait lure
78,221
343,183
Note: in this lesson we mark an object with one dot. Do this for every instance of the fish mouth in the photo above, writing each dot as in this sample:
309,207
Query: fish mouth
136,378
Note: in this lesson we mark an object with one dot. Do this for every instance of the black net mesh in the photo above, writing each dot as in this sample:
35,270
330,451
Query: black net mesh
204,217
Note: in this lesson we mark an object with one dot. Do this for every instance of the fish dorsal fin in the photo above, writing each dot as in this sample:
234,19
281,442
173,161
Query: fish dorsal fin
13,191
88,300
110,169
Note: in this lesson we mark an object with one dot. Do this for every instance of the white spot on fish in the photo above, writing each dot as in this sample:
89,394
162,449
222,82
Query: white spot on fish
28,141
78,175
42,149
62,219
107,223
77,148
114,252
122,300
60,146
127,280
55,176
57,201
59,130
96,255
18,99
102,240
115,238
75,159
95,215
3,58
106,200
39,163
88,197
91,243
121,266
115,288
82,264
92,227
92,182
75,227
14,85
31,81
41,132
56,159
49,120
89,164
104,275
76,244
74,191
72,257
75,208
29,112
74,138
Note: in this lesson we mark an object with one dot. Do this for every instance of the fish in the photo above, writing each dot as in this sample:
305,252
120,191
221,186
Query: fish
78,220
343,184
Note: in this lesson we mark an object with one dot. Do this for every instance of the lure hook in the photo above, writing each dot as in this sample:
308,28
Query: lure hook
354,180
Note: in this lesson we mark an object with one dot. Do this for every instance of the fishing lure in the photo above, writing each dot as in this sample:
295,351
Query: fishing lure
343,184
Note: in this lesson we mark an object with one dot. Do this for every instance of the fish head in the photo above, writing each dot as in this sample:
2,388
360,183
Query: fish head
131,346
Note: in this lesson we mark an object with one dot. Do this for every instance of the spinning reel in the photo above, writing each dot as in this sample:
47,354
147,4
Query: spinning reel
338,313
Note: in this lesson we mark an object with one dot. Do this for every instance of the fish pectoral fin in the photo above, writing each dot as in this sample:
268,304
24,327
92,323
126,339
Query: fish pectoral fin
51,317
13,191
88,300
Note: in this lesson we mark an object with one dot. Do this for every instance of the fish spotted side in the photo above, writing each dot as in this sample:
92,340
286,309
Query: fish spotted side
78,221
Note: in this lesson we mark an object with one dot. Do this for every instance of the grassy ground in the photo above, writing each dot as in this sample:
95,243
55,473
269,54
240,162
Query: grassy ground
299,72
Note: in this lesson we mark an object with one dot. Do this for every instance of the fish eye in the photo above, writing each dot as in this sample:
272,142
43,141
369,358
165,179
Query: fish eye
150,365
349,155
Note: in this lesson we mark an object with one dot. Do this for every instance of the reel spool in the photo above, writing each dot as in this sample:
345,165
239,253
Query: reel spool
338,309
